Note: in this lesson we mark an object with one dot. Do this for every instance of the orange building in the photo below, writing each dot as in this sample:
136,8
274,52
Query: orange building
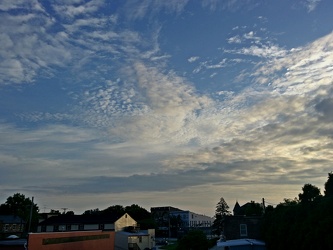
83,240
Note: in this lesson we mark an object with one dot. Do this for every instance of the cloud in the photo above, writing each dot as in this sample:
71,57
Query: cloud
170,102
72,9
311,4
135,124
302,70
7,5
138,9
32,49
264,51
193,59
178,139
231,5
235,39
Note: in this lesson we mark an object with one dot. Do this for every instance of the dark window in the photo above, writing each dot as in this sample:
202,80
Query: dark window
243,230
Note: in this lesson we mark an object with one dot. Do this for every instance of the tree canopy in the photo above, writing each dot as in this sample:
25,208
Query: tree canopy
303,223
222,209
193,240
329,185
310,192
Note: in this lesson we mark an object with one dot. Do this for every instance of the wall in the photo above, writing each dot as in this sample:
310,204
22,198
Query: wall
124,221
232,227
144,239
83,240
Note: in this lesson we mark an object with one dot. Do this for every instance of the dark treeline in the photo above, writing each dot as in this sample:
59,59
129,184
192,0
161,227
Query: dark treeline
141,215
302,223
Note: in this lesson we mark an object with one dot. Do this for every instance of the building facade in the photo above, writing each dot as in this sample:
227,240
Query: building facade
68,223
11,224
83,240
161,216
174,222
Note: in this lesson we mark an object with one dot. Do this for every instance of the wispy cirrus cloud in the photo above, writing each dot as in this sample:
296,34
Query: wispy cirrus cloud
72,9
138,9
303,70
231,5
311,4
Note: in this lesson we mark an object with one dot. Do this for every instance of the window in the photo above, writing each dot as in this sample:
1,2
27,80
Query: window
243,230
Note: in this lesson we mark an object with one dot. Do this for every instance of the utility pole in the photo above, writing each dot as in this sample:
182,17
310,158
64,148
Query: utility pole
263,204
32,205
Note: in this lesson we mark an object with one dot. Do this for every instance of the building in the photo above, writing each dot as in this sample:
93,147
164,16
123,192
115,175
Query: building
241,227
161,216
245,223
11,224
127,235
183,221
83,240
174,222
134,240
67,223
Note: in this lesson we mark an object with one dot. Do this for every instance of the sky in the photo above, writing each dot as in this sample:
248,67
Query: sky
164,103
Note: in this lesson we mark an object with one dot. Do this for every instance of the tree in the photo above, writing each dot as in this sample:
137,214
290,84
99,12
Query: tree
329,185
222,210
21,206
310,193
91,211
301,224
117,210
137,212
53,211
193,240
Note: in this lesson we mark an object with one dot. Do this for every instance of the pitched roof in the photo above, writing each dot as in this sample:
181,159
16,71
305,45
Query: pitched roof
81,219
237,208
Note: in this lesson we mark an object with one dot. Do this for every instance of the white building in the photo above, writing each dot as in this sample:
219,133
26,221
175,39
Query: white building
192,220
135,240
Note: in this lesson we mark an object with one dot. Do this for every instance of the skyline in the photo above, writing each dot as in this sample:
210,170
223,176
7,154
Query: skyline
164,103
